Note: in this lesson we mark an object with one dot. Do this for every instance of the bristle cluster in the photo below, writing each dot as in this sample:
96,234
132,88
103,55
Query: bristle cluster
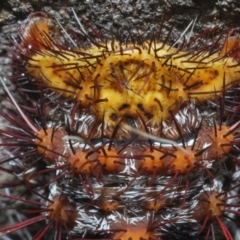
120,141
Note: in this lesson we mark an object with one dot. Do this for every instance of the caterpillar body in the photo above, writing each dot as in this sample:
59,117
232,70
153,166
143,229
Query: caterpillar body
112,139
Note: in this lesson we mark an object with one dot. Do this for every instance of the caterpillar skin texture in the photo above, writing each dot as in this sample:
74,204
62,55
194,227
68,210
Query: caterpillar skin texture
85,181
117,81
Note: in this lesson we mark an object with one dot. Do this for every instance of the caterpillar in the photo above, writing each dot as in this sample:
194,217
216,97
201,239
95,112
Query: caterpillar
116,140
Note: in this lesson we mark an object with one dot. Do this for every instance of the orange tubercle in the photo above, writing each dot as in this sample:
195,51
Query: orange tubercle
152,161
222,141
108,205
210,203
182,162
155,204
111,160
80,163
50,143
61,209
134,233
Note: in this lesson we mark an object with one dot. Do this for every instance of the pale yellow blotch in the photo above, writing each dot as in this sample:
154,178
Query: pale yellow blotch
61,72
130,80
210,71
